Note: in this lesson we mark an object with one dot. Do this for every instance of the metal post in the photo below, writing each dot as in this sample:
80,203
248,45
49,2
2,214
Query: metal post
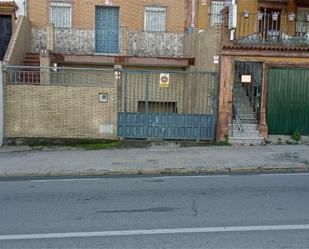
125,91
1,106
146,103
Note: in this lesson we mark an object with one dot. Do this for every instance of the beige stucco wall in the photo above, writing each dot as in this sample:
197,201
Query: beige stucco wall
203,45
20,42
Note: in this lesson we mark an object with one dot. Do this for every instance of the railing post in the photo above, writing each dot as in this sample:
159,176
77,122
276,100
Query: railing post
124,40
50,37
146,103
44,64
264,33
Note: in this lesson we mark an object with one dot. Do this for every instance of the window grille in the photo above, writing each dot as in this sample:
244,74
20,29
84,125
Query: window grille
155,19
61,15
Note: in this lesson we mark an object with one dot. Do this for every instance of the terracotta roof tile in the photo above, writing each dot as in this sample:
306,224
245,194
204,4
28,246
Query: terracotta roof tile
8,4
266,47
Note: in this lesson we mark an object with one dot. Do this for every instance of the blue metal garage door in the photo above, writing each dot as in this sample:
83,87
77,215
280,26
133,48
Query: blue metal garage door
107,30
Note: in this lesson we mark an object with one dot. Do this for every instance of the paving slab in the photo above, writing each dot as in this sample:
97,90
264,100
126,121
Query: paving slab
158,159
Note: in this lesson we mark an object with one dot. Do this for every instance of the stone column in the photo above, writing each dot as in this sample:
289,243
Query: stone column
225,97
50,37
124,40
45,67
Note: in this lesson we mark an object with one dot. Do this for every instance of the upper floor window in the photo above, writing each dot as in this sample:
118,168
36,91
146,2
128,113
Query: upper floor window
302,21
155,19
61,15
215,12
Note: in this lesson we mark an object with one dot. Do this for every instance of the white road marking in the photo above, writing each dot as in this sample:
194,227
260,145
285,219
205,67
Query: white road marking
169,177
200,176
68,180
227,175
154,232
287,174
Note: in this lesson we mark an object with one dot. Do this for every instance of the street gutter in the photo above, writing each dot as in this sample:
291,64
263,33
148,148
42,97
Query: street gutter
160,172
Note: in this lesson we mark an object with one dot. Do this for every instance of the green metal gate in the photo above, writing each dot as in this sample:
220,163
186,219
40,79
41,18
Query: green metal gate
167,105
288,101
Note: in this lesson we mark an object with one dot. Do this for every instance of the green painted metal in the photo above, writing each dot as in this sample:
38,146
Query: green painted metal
288,101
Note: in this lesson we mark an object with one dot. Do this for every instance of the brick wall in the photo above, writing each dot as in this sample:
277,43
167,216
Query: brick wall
80,39
60,111
131,13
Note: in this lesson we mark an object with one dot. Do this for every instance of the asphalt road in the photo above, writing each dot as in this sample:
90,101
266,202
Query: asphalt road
253,211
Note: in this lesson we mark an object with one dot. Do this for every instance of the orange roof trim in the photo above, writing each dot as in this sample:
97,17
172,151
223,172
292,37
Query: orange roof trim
9,4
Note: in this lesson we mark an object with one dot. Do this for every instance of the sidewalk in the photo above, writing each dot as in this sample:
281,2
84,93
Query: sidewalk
167,159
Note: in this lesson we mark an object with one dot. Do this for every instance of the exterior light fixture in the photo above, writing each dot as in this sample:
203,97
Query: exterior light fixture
260,15
275,16
246,14
292,17
54,67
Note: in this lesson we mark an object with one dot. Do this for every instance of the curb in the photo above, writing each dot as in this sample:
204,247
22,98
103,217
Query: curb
162,171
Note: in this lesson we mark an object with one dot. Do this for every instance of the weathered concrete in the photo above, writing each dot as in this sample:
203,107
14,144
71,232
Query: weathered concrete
158,159
74,41
39,39
154,44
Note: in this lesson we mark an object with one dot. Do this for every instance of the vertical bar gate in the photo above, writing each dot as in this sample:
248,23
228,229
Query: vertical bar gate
167,105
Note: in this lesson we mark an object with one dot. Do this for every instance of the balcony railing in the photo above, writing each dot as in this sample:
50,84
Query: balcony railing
272,28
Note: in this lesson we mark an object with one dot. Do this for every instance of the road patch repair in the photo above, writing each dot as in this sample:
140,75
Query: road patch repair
168,159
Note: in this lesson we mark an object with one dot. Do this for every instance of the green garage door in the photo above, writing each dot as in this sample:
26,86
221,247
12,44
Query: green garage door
288,101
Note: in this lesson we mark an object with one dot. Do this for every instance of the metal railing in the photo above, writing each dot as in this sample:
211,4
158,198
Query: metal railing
66,76
272,28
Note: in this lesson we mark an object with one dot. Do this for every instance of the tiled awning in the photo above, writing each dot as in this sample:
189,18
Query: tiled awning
8,7
273,1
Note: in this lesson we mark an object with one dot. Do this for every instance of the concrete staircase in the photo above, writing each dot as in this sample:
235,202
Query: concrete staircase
30,75
245,129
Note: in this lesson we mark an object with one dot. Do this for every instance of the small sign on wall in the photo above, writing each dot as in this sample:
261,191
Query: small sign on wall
108,2
246,78
164,80
216,59
103,97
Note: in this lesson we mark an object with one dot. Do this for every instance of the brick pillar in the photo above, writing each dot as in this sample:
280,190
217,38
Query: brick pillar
263,124
124,40
50,37
44,64
225,97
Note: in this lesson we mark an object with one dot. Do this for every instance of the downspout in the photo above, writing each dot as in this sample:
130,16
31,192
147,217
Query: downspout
193,13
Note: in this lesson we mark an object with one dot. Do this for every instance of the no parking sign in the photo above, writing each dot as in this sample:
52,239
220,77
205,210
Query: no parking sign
164,80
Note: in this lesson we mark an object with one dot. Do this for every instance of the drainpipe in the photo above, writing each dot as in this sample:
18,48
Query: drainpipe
1,106
193,14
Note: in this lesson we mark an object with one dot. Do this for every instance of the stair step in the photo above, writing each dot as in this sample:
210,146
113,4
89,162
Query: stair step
251,134
30,69
32,64
32,55
247,116
245,126
31,61
246,141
